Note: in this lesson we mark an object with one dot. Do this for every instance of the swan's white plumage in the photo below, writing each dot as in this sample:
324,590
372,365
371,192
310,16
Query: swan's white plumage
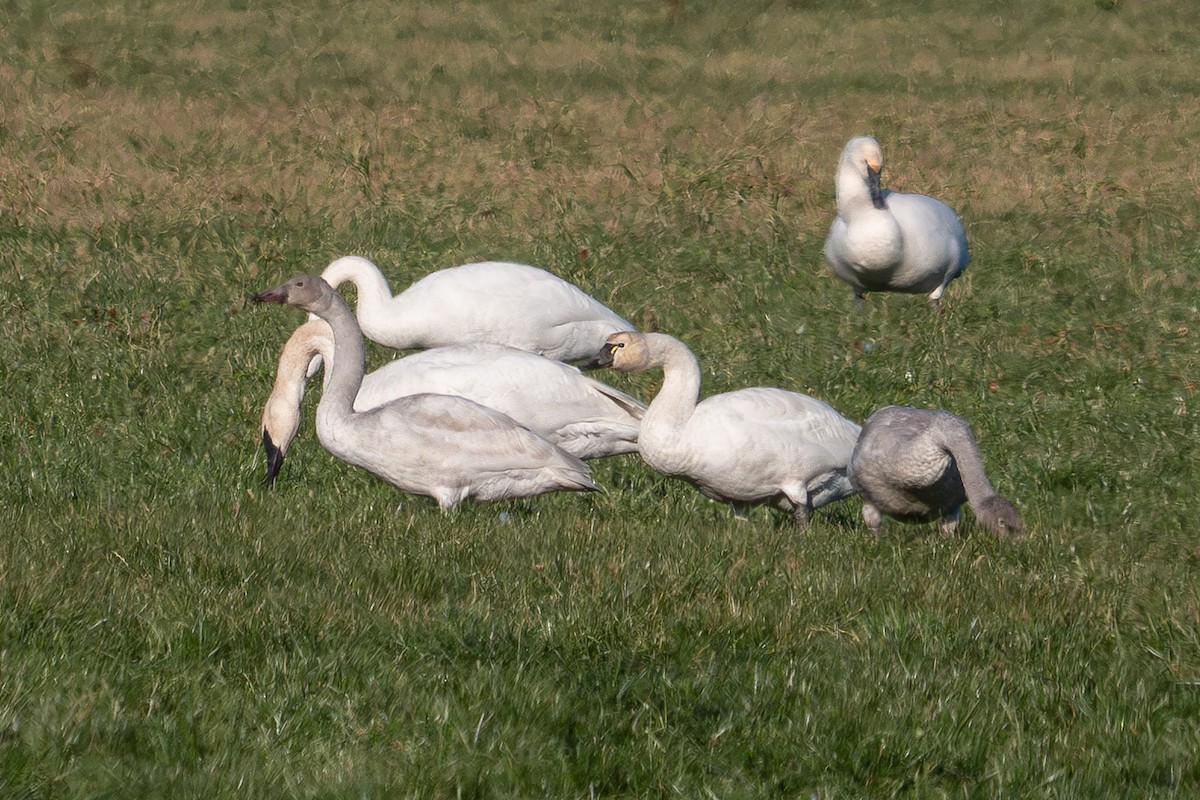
491,301
446,447
920,465
750,445
555,400
884,241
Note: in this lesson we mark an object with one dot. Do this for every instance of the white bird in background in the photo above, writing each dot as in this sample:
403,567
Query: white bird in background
491,301
884,241
746,446
920,465
555,400
446,447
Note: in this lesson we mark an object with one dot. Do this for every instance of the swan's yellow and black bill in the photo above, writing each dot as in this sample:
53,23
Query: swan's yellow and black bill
602,359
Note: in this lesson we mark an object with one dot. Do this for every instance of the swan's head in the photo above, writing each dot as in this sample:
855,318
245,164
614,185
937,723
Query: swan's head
864,155
999,516
625,351
309,292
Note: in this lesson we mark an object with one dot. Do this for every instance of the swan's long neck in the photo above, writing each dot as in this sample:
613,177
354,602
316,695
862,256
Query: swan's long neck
675,402
291,374
307,342
349,363
372,288
961,444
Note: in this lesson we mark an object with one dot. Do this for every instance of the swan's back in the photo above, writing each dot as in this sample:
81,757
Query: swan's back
748,443
899,451
514,304
777,418
453,449
580,414
934,238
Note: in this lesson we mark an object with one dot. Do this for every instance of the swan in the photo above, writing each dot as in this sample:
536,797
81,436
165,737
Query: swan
884,241
555,400
448,448
491,301
919,465
745,446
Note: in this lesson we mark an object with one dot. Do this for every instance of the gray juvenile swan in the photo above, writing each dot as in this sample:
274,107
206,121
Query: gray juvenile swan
492,301
448,448
747,446
884,241
919,465
554,400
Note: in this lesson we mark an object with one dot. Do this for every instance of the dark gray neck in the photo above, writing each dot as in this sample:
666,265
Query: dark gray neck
959,440
349,360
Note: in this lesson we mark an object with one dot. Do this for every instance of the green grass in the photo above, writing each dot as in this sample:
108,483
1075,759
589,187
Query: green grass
168,627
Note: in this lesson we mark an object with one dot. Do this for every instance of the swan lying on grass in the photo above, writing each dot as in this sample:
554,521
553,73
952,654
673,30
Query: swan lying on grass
446,447
747,446
884,241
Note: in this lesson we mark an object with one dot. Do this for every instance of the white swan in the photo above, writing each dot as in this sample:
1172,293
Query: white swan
744,446
448,448
920,465
491,301
555,400
885,241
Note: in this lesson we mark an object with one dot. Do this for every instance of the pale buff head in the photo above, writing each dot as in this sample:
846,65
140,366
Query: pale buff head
627,351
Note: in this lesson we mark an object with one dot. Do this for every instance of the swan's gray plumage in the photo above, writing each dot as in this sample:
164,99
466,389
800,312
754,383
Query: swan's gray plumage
751,445
884,241
919,465
448,448
491,301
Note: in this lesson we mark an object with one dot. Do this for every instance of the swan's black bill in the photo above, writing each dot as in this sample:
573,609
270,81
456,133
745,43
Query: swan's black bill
276,295
279,294
274,459
602,359
875,186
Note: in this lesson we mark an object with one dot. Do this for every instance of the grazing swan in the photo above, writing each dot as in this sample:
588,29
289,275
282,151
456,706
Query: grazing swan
448,448
919,465
884,241
745,446
492,301
555,400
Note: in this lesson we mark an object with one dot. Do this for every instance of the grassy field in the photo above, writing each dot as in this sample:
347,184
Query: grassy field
170,628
